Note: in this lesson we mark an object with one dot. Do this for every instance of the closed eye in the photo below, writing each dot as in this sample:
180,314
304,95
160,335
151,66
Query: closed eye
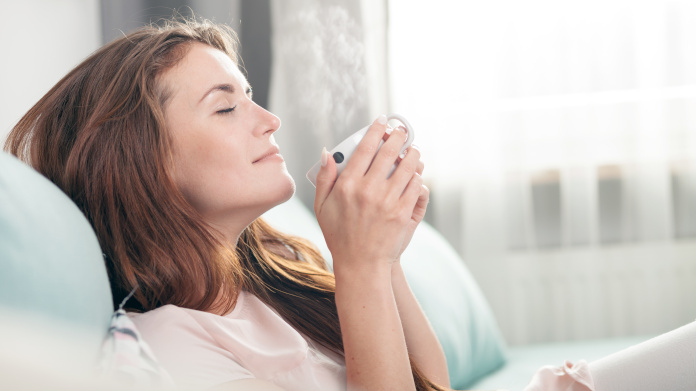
227,110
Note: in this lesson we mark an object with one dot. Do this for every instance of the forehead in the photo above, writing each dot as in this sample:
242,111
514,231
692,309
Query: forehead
202,67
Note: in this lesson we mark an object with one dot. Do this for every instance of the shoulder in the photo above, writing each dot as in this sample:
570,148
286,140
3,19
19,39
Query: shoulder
181,342
166,322
172,326
173,333
247,385
167,312
178,319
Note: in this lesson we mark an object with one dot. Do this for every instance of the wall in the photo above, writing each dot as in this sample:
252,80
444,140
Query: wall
250,19
51,37
42,41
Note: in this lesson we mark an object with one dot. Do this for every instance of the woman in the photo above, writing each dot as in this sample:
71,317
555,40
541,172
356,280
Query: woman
157,140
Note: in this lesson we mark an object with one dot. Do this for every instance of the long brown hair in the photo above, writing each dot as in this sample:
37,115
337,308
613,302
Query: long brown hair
100,135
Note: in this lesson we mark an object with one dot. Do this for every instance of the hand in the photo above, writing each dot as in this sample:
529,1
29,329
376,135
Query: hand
420,209
366,218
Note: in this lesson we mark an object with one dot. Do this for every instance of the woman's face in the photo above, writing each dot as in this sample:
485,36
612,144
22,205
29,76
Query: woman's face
227,163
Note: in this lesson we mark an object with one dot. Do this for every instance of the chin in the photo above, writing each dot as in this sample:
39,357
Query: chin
279,192
289,190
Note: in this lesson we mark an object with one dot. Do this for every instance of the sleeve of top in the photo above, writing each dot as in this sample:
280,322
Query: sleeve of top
186,350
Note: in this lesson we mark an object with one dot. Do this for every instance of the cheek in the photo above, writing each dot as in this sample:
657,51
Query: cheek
211,169
205,171
204,152
210,185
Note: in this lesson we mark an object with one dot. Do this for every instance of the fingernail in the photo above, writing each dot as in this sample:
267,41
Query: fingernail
324,157
415,146
382,119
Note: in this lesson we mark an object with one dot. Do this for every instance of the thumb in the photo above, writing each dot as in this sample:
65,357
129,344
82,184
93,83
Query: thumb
325,179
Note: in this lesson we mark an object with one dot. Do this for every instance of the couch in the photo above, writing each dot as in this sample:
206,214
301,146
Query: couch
55,302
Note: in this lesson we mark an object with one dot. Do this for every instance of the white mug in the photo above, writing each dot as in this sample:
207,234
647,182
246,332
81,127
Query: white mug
343,151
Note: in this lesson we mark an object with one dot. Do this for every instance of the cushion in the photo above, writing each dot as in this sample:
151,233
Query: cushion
294,218
40,352
50,259
524,361
444,287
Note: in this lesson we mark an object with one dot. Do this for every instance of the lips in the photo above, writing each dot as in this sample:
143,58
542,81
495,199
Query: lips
270,152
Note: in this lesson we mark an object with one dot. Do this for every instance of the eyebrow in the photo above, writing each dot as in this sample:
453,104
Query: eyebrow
218,87
229,88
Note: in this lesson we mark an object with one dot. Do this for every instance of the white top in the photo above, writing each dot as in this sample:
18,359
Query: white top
201,350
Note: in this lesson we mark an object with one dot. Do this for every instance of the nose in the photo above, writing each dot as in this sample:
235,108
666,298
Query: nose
269,123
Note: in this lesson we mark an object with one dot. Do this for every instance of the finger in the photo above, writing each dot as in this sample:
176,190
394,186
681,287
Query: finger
366,149
421,205
412,193
387,155
421,165
405,171
420,168
325,180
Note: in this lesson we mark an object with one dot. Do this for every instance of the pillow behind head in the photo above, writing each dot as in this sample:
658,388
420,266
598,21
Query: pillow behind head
447,292
50,260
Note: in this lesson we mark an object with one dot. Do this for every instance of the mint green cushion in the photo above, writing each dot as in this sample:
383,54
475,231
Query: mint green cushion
524,361
50,260
448,294
455,306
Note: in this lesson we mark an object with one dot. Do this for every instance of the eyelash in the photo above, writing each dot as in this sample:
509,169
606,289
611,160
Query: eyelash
226,111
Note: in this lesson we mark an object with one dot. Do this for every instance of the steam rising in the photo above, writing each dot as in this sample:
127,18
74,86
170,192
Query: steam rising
324,58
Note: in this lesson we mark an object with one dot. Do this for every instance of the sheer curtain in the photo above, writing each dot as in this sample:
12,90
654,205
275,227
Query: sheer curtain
560,146
328,77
